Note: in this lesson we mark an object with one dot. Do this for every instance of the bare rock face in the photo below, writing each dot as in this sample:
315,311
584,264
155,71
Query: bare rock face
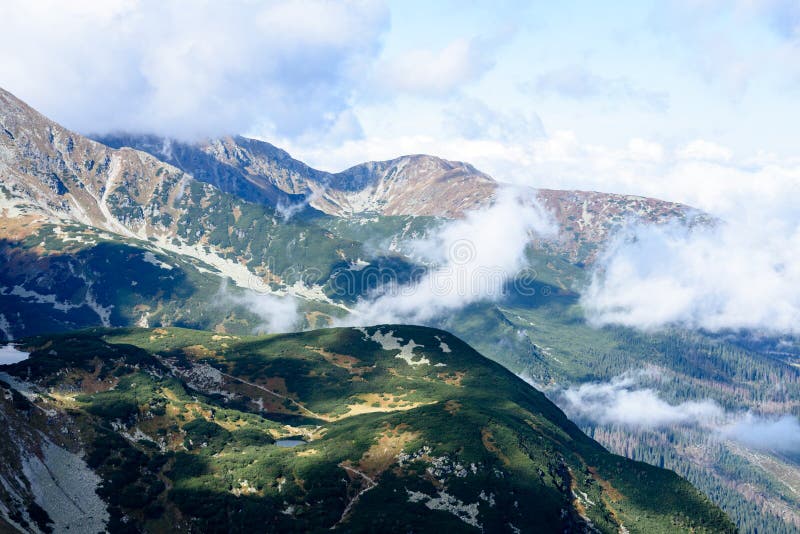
409,185
588,219
53,172
260,172
251,170
135,189
415,185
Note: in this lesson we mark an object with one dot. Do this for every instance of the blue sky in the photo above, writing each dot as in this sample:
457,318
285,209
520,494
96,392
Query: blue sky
661,71
683,100
636,97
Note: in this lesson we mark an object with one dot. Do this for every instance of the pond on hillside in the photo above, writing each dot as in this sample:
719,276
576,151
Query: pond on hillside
289,442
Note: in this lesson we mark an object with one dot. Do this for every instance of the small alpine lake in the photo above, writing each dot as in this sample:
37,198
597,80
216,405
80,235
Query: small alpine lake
288,443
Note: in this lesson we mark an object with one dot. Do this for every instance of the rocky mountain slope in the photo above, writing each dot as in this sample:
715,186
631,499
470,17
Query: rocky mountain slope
95,235
416,185
409,185
390,428
52,175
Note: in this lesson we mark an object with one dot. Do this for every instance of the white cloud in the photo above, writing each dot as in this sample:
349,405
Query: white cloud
472,259
722,30
742,274
701,149
204,68
619,402
773,434
700,173
737,275
277,313
474,120
622,401
440,72
643,150
493,155
577,82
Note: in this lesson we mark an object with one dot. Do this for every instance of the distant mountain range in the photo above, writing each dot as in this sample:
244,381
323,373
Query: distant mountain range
224,207
416,185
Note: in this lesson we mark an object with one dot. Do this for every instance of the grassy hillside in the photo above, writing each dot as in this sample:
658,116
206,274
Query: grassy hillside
403,428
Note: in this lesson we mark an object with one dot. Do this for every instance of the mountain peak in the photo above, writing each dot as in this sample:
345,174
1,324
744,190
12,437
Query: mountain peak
10,103
409,185
257,171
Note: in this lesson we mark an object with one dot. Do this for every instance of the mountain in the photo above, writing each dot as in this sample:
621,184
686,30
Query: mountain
252,259
390,428
234,165
409,185
52,175
73,211
417,185
95,235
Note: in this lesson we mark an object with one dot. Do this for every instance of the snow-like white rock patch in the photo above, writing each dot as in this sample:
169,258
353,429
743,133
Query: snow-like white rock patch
144,320
443,346
103,312
11,354
487,498
66,488
150,258
38,298
66,237
5,327
137,435
9,206
468,513
239,273
389,342
582,497
358,265
26,389
202,377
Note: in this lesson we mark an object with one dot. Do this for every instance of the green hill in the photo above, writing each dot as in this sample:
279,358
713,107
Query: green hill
401,428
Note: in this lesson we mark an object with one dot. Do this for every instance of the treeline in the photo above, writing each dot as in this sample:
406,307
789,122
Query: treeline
742,374
710,466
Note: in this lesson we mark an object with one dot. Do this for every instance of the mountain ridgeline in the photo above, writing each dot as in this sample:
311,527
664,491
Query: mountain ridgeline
416,185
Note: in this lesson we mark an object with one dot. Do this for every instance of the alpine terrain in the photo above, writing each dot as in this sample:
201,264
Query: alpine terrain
139,272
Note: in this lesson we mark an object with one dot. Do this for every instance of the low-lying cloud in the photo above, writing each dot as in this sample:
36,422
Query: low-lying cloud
470,259
620,402
740,274
624,401
437,73
781,434
579,83
277,314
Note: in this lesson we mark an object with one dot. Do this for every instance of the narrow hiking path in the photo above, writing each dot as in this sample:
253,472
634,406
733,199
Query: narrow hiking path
370,485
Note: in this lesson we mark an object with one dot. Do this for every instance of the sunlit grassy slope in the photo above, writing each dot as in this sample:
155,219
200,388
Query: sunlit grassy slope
406,429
